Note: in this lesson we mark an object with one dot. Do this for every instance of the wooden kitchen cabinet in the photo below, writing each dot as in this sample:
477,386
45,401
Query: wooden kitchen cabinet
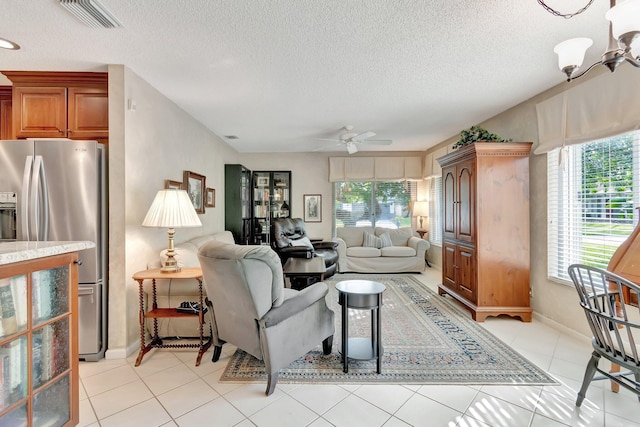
5,112
485,251
60,105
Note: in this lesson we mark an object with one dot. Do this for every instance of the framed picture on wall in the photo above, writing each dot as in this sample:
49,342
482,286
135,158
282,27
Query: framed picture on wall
195,185
172,185
210,199
312,207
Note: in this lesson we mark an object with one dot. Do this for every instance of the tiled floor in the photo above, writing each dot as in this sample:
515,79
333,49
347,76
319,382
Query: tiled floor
168,390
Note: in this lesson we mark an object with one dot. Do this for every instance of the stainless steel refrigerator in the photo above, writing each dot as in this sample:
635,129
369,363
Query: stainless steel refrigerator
55,190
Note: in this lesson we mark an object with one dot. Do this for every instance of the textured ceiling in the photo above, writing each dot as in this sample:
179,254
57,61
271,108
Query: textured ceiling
280,74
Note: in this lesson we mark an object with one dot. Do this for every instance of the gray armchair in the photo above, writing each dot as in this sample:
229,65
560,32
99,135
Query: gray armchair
252,309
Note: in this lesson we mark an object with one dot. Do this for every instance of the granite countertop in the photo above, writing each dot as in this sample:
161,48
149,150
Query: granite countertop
11,252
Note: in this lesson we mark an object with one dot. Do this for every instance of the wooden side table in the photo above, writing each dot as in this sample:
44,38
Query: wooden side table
155,313
423,233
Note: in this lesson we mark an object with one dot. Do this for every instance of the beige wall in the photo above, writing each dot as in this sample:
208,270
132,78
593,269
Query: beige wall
554,301
309,175
154,142
158,141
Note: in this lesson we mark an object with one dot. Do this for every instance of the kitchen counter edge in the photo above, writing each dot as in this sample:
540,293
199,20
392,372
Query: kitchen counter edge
11,252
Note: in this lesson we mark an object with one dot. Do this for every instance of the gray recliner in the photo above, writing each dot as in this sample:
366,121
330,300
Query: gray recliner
252,309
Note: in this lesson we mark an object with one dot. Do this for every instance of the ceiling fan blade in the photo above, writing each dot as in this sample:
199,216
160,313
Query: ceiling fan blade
377,142
363,135
332,140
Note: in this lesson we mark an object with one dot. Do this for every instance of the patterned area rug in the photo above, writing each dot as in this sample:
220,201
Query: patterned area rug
426,341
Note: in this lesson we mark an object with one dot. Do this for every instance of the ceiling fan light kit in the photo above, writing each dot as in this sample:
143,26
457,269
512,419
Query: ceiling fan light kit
352,139
624,30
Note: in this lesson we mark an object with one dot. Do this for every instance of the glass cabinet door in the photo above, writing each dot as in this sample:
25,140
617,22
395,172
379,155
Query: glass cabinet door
13,366
50,294
36,326
271,199
13,305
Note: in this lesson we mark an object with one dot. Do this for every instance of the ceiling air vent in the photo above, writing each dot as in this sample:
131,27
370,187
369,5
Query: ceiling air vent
91,13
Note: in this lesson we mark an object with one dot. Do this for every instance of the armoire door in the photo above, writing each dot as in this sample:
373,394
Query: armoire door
465,202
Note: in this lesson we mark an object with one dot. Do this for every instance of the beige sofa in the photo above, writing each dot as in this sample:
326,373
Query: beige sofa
170,293
406,253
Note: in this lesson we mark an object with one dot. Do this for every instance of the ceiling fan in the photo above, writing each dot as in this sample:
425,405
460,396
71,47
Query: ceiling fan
352,139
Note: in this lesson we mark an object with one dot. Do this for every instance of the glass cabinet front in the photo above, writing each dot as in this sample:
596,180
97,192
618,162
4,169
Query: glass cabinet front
35,347
271,199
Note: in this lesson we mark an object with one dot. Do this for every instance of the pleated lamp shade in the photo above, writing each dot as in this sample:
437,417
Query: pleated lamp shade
172,209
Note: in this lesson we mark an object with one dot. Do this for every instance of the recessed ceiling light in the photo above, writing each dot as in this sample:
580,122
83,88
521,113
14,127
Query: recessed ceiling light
8,44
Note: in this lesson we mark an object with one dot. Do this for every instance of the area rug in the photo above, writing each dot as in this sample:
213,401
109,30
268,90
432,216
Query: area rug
426,339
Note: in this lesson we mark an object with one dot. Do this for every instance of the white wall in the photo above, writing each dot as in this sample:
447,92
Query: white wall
154,142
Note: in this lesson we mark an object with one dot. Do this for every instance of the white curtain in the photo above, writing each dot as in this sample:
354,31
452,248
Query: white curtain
604,106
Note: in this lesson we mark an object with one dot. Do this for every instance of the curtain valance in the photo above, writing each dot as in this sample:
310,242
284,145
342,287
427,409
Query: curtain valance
375,169
604,106
431,166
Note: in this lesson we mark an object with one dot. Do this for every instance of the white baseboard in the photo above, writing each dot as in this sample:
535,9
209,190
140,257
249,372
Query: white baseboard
560,327
122,353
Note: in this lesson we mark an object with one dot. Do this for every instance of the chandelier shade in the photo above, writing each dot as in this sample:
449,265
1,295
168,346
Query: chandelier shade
571,52
624,18
624,29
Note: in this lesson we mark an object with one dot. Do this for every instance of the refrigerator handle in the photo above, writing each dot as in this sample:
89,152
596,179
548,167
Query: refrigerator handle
24,200
40,201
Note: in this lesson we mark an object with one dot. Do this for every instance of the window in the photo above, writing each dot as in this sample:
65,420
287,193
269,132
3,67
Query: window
435,210
373,203
592,189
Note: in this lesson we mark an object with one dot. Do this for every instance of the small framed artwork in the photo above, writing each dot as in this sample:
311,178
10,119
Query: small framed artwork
210,198
262,181
172,185
312,207
195,185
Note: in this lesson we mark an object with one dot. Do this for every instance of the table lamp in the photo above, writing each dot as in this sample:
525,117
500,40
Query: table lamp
421,210
171,209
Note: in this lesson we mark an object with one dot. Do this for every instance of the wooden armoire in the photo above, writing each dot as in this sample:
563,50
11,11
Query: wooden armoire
485,248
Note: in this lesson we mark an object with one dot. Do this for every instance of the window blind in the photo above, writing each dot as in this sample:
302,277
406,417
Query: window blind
373,203
435,207
592,191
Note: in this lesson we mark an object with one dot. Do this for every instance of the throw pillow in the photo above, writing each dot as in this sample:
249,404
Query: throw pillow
303,241
371,241
385,240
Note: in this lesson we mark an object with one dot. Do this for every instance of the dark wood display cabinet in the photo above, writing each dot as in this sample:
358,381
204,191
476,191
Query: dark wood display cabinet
237,202
485,250
271,199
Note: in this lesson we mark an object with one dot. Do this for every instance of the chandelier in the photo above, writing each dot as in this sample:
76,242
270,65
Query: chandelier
624,29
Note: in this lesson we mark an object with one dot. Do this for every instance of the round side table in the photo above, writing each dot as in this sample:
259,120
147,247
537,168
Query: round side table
361,295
